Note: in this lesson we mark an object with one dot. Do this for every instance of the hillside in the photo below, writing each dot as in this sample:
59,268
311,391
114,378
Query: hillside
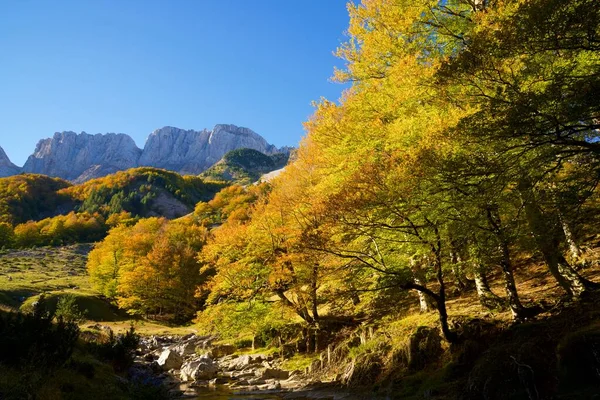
143,191
32,197
37,210
245,166
7,168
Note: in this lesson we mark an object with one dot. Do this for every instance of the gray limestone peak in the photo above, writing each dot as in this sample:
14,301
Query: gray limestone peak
79,157
7,168
191,152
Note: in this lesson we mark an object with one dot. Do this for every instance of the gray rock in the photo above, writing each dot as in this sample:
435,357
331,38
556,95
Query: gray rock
274,373
7,168
169,359
202,368
185,349
79,157
192,152
241,362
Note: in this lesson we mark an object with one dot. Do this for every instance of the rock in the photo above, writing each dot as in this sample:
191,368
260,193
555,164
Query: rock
200,368
256,381
7,168
241,362
80,157
274,373
170,359
184,349
191,152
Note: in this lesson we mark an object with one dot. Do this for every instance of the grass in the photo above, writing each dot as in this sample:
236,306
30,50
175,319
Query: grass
299,362
25,274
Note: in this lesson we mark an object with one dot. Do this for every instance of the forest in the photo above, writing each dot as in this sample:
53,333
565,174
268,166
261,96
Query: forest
437,230
465,151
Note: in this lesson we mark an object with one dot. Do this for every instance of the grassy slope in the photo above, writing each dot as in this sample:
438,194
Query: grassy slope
25,274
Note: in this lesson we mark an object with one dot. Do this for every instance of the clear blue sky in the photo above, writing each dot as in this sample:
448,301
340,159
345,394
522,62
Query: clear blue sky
133,66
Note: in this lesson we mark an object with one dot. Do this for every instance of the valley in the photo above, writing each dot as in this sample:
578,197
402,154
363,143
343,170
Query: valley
435,234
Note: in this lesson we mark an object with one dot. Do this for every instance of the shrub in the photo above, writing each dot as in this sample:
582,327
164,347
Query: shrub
118,350
67,309
35,340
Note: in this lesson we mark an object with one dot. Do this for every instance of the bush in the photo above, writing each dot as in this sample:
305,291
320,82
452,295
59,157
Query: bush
118,350
35,340
67,309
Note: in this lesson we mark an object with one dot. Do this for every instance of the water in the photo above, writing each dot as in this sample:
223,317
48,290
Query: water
225,393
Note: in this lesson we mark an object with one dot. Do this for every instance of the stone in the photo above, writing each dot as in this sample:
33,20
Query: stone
241,362
170,359
192,152
80,157
202,368
7,168
274,373
185,348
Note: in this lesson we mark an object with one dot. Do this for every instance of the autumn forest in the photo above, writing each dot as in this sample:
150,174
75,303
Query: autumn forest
435,234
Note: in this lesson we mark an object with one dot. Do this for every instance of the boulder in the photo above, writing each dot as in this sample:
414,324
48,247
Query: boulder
274,373
169,359
185,348
202,368
242,362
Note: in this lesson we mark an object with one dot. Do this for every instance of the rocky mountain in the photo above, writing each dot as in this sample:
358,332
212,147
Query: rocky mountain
81,157
191,152
7,168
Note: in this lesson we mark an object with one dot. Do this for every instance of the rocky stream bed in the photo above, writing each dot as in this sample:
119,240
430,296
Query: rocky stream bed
193,367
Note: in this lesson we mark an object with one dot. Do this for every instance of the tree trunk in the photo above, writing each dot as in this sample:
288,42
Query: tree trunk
516,308
450,336
487,298
423,300
518,311
456,270
547,241
573,246
419,278
301,311
313,292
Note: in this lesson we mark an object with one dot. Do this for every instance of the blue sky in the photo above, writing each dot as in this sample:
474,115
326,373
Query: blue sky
135,66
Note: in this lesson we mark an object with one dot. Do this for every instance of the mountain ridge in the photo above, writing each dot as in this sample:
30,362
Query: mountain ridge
7,168
79,157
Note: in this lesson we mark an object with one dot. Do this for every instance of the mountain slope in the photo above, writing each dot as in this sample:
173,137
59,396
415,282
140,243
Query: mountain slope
32,197
81,157
244,166
7,168
142,192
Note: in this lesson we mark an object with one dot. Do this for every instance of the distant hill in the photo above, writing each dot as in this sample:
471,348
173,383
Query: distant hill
32,197
142,192
245,166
